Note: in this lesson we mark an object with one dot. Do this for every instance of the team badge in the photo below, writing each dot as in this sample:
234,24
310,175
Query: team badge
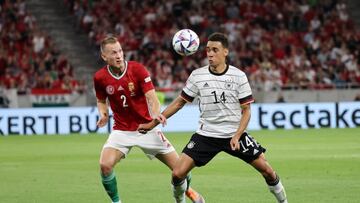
191,145
228,84
131,87
110,89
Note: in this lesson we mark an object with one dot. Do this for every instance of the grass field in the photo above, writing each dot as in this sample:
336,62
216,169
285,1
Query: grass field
315,166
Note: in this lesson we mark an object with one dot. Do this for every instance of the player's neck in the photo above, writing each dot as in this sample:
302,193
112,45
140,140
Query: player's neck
219,68
115,70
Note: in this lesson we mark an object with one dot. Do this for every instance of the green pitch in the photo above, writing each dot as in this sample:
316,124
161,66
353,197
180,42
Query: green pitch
315,166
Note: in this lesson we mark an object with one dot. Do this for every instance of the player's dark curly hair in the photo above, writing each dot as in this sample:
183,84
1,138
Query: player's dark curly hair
219,37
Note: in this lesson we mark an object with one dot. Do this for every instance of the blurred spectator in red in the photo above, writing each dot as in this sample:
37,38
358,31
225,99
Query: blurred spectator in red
309,44
27,54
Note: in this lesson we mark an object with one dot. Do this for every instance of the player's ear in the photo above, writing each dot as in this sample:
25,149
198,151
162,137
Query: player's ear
103,56
226,51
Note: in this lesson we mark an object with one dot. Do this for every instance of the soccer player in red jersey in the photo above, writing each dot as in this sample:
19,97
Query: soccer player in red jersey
128,88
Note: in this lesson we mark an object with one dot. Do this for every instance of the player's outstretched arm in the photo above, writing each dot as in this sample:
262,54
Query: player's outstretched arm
104,113
174,107
170,110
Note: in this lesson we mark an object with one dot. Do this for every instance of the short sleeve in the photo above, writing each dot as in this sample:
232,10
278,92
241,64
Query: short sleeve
244,91
144,79
190,91
99,90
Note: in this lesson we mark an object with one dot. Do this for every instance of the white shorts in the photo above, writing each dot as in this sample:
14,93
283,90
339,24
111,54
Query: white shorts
152,143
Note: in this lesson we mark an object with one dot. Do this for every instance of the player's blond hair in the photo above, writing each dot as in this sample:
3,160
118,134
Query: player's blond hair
107,40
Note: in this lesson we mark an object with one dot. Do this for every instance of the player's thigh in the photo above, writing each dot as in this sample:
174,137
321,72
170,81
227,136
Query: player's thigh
202,149
169,159
121,141
154,143
183,166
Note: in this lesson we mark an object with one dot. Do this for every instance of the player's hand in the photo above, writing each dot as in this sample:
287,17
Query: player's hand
145,127
234,143
102,121
162,119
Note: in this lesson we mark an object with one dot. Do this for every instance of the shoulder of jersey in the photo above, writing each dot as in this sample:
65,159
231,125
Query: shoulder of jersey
135,63
200,70
235,71
232,70
101,71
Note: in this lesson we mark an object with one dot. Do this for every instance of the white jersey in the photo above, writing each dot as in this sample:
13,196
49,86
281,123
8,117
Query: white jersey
220,99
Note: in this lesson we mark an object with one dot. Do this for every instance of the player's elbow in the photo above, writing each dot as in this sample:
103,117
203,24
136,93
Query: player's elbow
99,101
180,102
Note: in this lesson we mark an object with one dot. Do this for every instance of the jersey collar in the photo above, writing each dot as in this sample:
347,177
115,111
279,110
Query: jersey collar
226,69
122,74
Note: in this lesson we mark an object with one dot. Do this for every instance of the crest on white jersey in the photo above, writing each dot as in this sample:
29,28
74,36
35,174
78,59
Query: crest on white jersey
110,89
228,84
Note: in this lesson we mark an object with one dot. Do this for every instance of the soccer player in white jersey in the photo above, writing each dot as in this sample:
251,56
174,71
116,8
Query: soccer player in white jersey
225,96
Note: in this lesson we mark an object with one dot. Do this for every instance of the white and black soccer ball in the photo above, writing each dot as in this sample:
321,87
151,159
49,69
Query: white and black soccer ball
185,42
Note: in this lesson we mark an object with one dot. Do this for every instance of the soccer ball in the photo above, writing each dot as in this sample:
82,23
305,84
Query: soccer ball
185,42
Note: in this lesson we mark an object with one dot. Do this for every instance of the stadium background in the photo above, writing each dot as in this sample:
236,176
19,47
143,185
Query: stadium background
300,56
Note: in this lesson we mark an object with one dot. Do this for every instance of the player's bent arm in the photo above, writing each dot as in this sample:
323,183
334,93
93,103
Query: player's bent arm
104,114
153,102
244,121
102,108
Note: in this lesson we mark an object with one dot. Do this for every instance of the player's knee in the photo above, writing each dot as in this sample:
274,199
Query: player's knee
178,174
269,174
264,168
105,168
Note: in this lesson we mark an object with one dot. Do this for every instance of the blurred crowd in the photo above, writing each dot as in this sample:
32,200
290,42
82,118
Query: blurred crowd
28,57
280,44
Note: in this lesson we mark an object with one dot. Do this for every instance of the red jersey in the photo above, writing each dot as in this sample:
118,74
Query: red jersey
126,94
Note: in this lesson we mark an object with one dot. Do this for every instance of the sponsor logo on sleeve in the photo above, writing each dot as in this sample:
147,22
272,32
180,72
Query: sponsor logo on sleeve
148,79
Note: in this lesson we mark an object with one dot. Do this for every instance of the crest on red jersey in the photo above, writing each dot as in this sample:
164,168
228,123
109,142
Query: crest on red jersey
110,89
131,87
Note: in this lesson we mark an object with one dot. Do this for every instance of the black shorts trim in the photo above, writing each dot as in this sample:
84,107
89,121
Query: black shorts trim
202,149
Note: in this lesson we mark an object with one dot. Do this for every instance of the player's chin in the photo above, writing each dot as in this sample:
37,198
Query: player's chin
213,63
118,63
